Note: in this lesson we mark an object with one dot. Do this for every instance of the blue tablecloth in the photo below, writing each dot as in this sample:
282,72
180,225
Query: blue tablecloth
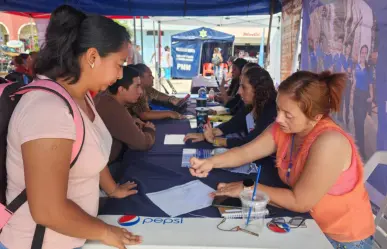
160,169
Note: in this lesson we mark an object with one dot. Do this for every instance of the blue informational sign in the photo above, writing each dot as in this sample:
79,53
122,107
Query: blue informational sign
186,59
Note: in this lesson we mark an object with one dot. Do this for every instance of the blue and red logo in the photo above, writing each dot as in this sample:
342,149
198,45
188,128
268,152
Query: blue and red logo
128,220
131,220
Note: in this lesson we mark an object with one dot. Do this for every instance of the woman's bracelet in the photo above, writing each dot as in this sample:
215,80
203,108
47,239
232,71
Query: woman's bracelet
216,142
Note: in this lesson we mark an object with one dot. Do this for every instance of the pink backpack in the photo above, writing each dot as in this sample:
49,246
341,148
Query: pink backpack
10,94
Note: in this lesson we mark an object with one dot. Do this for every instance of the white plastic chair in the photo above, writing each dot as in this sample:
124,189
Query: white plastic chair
379,157
380,236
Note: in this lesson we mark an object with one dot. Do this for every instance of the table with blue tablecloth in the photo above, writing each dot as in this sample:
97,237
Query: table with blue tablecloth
160,168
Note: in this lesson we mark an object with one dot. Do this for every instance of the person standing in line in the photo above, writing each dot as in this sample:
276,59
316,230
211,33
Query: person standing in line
166,63
216,60
137,57
363,96
82,53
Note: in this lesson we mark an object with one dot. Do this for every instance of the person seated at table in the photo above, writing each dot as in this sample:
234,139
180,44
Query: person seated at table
125,130
315,157
259,96
230,97
141,108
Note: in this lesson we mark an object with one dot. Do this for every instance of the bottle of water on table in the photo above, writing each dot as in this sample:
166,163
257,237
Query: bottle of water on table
202,92
201,101
211,95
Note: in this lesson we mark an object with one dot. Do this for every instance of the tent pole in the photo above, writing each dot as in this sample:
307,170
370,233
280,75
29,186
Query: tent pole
272,5
159,48
200,58
142,39
154,49
134,31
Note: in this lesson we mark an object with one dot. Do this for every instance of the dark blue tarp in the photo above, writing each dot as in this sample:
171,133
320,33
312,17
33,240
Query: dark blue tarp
148,7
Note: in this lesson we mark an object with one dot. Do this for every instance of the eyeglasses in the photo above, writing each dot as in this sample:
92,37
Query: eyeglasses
235,229
295,222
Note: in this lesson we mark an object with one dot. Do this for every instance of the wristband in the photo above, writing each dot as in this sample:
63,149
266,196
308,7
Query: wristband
216,142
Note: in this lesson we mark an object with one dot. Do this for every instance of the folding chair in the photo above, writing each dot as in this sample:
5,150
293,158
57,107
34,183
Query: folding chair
380,236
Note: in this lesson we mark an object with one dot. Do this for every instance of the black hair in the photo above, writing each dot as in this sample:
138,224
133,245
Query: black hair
128,74
19,60
70,33
141,68
264,90
240,63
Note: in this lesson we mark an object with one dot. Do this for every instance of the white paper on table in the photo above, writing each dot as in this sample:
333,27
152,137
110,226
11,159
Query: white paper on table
174,139
193,123
220,110
183,199
216,124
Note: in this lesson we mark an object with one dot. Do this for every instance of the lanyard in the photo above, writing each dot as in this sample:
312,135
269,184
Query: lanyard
290,166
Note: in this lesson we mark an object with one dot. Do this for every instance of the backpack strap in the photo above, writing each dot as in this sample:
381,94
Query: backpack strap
54,88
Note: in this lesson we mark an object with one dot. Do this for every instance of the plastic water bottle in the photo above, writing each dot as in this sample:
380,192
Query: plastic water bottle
202,92
211,95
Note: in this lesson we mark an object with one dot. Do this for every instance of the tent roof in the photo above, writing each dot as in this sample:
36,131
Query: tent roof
203,34
253,21
148,7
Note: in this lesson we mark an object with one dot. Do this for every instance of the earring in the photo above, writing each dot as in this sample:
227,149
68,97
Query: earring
92,66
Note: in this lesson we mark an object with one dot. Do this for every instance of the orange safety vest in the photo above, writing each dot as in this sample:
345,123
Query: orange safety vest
344,218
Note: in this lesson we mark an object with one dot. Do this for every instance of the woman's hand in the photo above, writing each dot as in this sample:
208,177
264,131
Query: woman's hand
150,126
119,237
232,189
139,123
124,190
208,133
200,168
195,137
175,115
175,101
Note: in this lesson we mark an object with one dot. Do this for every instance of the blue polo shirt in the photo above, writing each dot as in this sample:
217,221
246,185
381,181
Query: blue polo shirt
363,78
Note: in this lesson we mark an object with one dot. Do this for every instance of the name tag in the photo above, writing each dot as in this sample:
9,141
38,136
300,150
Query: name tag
250,122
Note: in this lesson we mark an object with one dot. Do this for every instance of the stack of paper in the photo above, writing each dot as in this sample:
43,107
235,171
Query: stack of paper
220,110
174,139
183,199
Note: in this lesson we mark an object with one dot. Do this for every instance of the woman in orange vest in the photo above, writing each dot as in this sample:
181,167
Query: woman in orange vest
314,156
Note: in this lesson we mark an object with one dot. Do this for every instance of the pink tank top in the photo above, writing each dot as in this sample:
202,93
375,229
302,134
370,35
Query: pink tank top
346,181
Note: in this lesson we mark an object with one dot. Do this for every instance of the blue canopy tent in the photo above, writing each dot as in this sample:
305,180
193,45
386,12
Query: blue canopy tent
149,7
192,48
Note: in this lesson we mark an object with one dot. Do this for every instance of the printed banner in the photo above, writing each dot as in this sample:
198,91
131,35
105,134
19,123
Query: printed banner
346,36
186,59
291,17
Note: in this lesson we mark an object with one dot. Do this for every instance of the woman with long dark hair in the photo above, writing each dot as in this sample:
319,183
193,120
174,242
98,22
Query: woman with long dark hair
258,94
81,53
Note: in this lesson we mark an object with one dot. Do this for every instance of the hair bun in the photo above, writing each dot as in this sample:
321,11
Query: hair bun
324,76
65,18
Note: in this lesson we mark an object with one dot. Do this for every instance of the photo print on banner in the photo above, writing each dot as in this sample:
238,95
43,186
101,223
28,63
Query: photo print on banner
345,36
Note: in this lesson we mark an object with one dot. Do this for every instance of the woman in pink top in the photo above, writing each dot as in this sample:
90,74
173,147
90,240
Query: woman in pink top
82,53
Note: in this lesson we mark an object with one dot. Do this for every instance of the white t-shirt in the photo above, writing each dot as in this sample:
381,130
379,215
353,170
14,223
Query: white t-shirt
44,115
